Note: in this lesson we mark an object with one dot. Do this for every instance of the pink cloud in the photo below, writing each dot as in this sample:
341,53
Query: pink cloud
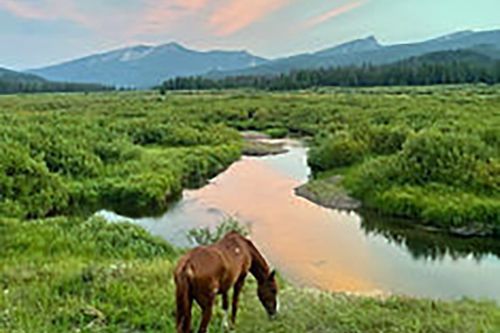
48,10
159,15
193,4
316,20
238,14
23,10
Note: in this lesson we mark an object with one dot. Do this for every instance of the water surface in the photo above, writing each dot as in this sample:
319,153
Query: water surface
327,249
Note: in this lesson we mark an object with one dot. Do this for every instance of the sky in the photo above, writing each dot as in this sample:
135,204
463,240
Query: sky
35,33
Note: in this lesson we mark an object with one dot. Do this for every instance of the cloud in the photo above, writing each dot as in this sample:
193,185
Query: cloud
158,15
219,18
47,10
193,4
22,10
238,14
334,12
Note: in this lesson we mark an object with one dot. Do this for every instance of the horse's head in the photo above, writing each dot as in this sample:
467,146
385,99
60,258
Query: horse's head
268,294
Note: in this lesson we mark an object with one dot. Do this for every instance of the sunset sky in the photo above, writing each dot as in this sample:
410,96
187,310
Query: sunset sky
39,32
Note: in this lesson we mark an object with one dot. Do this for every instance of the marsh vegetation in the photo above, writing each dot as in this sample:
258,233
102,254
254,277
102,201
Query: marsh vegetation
430,155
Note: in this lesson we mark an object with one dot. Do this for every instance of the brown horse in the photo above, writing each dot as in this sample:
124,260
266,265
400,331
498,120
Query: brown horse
208,271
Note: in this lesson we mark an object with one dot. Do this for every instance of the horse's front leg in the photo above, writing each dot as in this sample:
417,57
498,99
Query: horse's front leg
225,307
236,294
206,307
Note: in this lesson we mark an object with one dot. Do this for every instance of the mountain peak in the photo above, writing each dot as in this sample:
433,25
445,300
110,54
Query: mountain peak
455,35
172,46
146,66
359,45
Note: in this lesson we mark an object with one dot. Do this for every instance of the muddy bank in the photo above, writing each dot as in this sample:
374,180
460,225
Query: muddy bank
261,148
260,144
328,193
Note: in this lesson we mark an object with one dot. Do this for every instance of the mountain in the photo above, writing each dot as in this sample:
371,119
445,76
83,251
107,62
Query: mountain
145,66
356,46
15,82
7,75
369,50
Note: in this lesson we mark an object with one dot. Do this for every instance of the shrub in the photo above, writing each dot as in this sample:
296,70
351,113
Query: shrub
277,133
374,174
207,236
336,151
27,188
447,158
386,140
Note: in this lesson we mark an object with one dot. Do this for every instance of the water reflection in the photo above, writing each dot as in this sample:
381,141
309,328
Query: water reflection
327,249
425,244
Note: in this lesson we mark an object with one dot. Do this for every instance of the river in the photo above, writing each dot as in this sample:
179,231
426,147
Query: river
316,247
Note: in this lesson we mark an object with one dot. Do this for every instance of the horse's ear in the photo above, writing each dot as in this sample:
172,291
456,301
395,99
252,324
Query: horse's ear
272,275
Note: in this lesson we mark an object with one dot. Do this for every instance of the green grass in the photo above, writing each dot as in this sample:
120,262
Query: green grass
428,153
75,275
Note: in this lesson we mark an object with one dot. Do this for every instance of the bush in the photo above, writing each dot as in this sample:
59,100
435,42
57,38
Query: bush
207,236
27,188
373,175
277,133
386,140
437,205
447,158
336,151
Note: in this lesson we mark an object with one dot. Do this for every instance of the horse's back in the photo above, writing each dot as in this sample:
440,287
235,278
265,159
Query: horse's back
217,266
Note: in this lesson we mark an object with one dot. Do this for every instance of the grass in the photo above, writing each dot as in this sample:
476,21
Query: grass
74,275
62,156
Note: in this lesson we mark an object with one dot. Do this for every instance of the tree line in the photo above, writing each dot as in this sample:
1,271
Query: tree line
14,87
460,68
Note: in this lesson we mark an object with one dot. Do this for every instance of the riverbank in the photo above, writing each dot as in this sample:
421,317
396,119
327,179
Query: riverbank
330,192
70,274
260,144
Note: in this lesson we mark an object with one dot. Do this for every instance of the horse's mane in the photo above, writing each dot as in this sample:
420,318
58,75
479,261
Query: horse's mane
260,268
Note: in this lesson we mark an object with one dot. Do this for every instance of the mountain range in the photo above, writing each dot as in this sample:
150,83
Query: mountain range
146,66
370,51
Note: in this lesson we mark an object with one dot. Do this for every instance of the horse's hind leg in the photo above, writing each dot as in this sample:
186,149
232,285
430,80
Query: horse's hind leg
187,318
206,307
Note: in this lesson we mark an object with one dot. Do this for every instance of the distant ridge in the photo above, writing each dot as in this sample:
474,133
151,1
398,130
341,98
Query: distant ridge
12,82
370,51
144,66
442,67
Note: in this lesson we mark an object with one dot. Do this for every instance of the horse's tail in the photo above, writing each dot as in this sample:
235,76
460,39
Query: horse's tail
183,299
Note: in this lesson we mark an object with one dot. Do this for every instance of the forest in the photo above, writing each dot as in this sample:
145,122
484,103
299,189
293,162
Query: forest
449,67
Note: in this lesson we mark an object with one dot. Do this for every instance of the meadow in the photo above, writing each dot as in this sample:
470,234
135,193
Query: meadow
431,155
70,274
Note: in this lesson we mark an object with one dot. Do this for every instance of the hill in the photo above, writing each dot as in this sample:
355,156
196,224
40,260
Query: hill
16,82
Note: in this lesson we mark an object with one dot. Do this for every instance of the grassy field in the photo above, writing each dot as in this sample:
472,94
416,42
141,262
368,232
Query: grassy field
77,275
431,154
426,153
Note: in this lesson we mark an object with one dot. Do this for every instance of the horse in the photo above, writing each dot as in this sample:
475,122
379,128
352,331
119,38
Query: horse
208,271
